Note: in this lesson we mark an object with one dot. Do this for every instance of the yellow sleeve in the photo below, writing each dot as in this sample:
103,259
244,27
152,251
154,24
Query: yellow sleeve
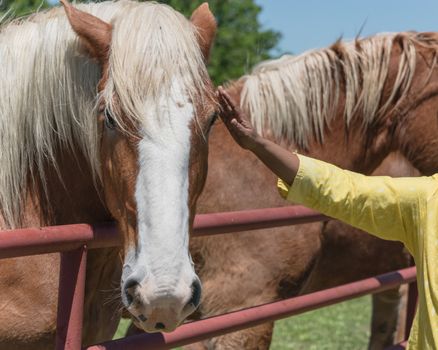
390,208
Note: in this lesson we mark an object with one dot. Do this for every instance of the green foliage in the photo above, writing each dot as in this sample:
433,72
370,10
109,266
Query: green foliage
17,8
240,42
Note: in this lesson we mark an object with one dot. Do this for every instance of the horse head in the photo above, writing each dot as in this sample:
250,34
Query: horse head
156,106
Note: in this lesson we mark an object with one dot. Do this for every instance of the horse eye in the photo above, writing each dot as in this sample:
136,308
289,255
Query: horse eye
110,123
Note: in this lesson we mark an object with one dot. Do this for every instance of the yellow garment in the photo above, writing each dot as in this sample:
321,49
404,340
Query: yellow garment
402,209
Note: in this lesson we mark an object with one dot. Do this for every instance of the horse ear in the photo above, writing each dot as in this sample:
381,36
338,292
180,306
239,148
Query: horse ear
94,33
205,23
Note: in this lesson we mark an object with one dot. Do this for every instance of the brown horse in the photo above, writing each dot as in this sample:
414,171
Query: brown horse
351,104
108,120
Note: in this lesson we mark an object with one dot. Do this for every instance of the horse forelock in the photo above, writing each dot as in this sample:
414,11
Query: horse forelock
152,47
49,87
295,97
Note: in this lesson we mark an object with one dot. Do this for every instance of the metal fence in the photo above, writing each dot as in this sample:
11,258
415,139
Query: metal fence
73,241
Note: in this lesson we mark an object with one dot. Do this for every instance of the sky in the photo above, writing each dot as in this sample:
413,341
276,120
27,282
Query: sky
308,24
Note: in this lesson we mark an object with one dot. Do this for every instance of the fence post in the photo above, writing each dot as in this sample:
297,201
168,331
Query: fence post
411,307
71,299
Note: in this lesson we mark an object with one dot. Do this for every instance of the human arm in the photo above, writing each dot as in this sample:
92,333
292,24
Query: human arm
389,208
386,207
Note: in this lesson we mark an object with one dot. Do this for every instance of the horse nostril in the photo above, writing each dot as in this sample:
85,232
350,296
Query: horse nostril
131,283
159,326
129,298
196,293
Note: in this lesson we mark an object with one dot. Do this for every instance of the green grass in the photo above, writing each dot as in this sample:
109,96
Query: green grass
123,327
341,326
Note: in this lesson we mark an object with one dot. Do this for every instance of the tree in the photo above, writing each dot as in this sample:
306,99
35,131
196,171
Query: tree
17,8
240,41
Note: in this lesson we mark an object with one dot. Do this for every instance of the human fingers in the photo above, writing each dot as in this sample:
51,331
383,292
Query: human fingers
226,112
235,110
225,116
224,95
234,122
239,127
226,99
236,130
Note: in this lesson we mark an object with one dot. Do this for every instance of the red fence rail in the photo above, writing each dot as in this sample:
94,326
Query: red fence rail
31,241
234,321
74,240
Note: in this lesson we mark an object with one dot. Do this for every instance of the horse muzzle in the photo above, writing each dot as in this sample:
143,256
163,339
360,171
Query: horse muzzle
158,308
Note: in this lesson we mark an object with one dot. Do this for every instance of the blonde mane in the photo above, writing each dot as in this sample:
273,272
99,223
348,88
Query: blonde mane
48,87
295,97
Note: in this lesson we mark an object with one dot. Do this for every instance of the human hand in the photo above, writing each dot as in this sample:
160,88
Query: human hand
237,122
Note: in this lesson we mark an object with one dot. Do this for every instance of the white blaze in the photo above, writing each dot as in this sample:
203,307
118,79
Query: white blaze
162,197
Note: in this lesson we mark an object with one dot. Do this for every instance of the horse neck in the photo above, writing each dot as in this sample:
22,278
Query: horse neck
348,150
353,147
415,128
340,146
408,124
367,139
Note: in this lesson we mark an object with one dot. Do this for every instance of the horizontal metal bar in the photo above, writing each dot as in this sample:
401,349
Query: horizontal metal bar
218,325
255,219
31,241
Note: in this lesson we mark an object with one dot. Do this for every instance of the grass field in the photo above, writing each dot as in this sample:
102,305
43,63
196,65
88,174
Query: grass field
341,326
